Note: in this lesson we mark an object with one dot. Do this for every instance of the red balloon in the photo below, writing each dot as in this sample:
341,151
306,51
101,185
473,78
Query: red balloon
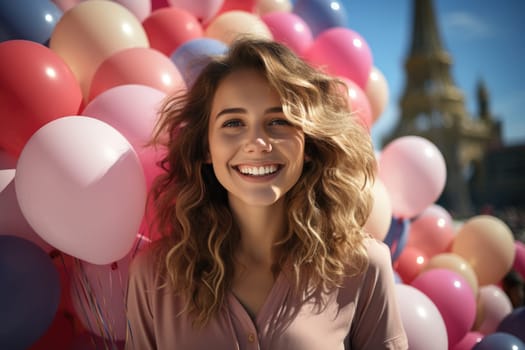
243,5
168,28
36,87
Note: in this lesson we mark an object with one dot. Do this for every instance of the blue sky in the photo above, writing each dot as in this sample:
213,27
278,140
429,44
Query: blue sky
484,37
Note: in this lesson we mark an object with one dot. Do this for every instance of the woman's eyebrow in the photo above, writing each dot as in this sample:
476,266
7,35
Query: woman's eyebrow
236,110
277,109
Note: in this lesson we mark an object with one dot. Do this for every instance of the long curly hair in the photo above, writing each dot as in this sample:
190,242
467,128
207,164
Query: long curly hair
327,207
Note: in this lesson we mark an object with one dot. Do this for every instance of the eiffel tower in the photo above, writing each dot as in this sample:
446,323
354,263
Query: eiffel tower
433,107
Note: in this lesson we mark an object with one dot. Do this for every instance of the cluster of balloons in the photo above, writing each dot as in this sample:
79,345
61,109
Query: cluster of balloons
80,85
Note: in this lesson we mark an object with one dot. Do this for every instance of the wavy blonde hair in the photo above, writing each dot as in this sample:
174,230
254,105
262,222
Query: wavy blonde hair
327,207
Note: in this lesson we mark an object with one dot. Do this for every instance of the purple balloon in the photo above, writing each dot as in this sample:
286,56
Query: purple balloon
499,341
514,323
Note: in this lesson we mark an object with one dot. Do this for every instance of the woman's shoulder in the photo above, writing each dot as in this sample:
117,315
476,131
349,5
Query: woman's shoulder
378,253
147,263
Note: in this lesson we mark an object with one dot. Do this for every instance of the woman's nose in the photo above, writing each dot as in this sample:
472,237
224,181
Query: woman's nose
258,142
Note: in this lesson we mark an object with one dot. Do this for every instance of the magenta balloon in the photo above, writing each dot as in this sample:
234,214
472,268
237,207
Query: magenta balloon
421,318
289,29
414,172
519,259
342,52
81,187
453,297
468,341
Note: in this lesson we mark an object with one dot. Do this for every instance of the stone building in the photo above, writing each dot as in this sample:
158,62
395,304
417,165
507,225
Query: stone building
433,107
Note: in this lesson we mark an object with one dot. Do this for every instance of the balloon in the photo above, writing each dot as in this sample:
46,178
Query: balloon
380,217
410,263
321,14
377,92
203,10
496,306
12,221
432,231
28,20
192,56
264,7
92,31
342,52
397,236
289,29
468,341
7,161
514,323
359,105
59,335
157,4
140,8
424,325
499,341
80,185
487,244
29,292
519,259
66,5
170,27
237,5
454,263
36,86
413,171
453,297
132,110
137,65
229,25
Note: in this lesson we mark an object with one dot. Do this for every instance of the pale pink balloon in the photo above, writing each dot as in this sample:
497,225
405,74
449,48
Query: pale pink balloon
90,32
65,5
203,10
453,297
12,221
380,217
495,305
81,186
137,65
432,231
423,323
413,170
133,111
229,25
342,52
289,29
140,8
377,92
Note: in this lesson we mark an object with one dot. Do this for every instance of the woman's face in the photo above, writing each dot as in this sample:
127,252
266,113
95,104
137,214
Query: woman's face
256,153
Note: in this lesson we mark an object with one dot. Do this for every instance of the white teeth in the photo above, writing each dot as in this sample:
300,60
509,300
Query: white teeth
257,171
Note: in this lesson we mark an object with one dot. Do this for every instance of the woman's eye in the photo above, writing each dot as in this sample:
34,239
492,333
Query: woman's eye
232,123
279,122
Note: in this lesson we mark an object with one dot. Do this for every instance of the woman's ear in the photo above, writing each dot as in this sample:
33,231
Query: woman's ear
207,158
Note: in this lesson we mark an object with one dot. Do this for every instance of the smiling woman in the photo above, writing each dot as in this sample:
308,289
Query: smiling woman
267,186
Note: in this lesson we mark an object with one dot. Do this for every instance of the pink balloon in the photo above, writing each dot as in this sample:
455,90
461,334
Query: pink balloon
432,231
421,318
132,110
359,104
203,10
519,259
81,187
495,305
410,263
7,160
414,173
137,65
168,28
12,221
469,341
453,297
140,8
289,29
342,52
380,217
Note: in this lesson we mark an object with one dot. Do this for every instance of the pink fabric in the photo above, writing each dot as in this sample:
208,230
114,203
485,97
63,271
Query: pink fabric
363,314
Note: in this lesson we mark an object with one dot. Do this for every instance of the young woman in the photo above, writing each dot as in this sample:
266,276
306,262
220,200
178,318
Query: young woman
266,189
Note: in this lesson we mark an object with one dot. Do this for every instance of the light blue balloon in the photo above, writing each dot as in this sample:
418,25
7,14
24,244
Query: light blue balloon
499,341
192,56
321,15
32,20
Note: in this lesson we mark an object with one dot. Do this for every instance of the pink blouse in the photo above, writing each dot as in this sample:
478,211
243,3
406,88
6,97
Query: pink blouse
363,314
